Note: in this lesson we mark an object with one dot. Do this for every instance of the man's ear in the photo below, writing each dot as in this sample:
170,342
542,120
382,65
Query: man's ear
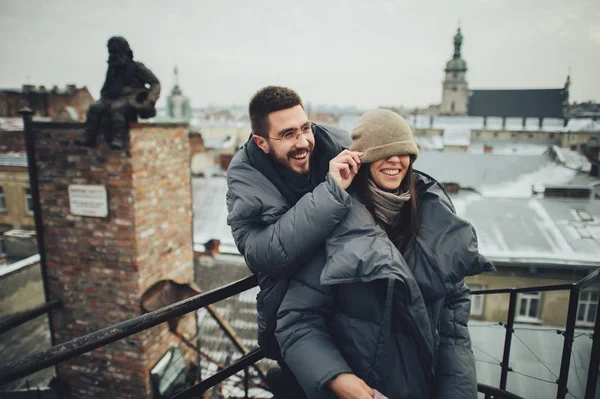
261,142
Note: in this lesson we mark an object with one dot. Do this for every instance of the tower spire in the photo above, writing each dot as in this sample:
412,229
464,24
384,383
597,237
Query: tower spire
176,75
458,38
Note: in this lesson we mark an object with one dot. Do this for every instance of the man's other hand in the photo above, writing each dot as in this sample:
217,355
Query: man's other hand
344,167
349,386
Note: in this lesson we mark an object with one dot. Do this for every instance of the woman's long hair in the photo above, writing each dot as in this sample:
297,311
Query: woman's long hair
407,224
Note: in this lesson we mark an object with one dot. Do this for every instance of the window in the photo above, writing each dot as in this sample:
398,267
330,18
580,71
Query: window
2,200
452,106
28,201
528,306
477,300
586,310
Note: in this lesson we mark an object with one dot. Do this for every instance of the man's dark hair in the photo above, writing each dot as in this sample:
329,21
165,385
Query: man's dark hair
270,99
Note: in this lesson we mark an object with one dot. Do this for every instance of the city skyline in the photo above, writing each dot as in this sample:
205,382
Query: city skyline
335,53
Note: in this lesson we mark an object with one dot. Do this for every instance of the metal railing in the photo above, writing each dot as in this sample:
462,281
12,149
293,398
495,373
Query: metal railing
33,363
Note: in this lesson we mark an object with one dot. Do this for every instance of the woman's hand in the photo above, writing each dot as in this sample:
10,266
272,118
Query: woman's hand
349,386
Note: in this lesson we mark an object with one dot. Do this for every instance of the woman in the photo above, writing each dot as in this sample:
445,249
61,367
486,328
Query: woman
389,311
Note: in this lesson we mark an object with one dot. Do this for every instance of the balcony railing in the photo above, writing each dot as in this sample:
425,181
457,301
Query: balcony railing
59,353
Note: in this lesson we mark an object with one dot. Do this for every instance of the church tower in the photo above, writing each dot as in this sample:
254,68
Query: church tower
178,104
455,92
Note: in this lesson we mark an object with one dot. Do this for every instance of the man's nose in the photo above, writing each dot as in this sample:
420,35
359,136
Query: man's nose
301,141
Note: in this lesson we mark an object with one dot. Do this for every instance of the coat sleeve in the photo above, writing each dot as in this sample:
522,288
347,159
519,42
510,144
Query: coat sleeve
277,244
148,77
456,374
305,342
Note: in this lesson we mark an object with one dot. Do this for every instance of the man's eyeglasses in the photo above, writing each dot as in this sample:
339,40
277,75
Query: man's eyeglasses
292,135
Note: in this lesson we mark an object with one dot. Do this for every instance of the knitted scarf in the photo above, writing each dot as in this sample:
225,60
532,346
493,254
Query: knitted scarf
387,205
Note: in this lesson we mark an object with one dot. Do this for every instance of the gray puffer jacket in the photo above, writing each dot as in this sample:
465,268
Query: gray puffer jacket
276,237
397,321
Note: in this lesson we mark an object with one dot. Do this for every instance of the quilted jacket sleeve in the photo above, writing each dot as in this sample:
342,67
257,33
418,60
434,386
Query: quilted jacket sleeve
305,341
456,375
275,239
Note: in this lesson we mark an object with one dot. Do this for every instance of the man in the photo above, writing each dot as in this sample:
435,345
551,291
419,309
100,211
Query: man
130,90
286,194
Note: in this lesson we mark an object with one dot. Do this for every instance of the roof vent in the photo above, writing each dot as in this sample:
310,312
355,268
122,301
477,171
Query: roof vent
575,192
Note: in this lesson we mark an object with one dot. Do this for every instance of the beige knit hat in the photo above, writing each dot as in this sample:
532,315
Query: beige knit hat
382,133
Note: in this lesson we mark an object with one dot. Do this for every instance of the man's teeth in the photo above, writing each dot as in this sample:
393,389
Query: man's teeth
391,172
300,156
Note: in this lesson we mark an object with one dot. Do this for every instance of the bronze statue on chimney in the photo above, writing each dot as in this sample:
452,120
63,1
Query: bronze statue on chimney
130,91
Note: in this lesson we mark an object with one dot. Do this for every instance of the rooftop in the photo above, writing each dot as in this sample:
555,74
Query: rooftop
539,103
511,224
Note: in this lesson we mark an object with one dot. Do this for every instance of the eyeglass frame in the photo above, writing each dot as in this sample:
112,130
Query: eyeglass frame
294,131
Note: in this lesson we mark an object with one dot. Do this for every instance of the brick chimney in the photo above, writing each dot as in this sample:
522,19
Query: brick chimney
115,223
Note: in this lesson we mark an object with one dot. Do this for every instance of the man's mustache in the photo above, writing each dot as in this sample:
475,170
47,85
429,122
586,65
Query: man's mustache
309,148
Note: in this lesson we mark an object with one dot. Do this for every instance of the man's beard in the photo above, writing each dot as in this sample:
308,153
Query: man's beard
288,161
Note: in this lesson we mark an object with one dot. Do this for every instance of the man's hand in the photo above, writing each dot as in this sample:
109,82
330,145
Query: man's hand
344,167
349,386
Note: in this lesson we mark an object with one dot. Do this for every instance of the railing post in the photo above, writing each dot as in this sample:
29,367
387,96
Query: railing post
592,379
568,343
27,115
510,322
246,383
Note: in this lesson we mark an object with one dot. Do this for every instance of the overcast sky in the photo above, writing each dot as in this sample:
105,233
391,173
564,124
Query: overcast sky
348,52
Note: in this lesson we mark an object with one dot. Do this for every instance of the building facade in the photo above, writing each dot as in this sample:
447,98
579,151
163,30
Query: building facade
16,206
45,102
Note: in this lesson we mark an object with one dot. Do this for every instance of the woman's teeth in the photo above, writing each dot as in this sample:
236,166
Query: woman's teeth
391,172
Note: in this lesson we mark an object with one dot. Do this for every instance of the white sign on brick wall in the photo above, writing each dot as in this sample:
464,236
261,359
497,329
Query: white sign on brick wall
88,200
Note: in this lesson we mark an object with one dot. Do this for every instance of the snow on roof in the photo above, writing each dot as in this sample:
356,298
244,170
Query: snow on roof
486,170
430,143
534,229
521,186
508,148
571,159
492,123
457,136
11,124
210,213
510,224
583,125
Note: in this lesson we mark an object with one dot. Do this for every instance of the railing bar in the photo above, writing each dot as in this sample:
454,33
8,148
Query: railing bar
197,390
17,319
568,342
559,287
512,305
246,383
592,380
589,280
41,360
493,392
230,333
